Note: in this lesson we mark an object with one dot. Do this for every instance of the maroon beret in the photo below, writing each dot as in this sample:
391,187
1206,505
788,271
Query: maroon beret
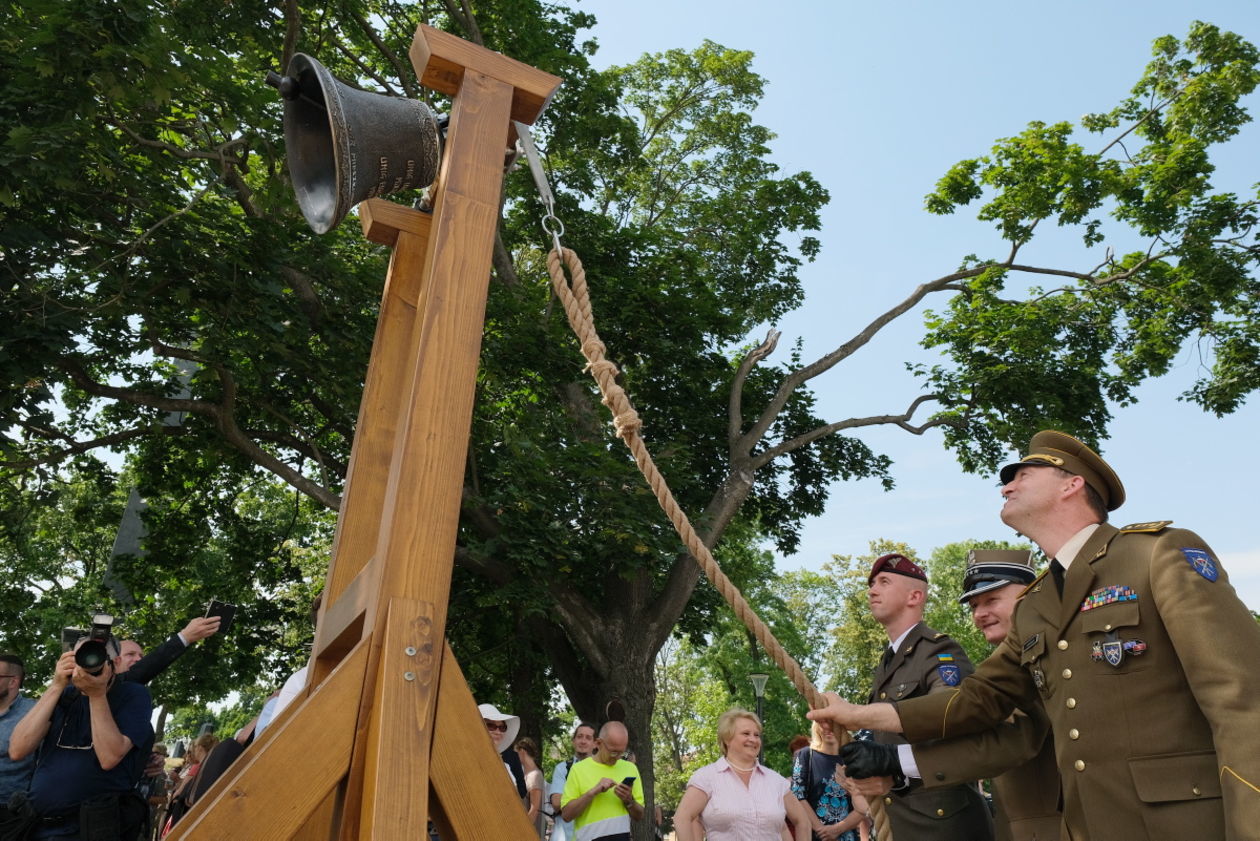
899,564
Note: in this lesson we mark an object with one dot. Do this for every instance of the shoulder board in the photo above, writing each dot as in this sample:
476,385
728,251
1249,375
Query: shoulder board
937,636
1147,528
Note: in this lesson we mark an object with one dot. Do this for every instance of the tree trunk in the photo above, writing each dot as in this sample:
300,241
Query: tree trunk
632,648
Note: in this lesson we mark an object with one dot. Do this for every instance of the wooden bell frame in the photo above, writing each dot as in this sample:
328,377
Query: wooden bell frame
387,736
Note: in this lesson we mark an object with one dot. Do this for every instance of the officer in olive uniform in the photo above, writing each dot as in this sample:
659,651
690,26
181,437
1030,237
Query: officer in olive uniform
1019,754
920,661
1146,662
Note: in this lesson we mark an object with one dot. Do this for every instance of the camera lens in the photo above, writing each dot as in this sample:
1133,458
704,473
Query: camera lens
91,657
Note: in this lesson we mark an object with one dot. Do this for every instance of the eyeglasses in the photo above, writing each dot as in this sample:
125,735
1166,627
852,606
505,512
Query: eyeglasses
501,726
64,722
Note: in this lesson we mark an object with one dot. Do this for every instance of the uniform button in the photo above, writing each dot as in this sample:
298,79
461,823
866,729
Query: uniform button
1067,674
1063,644
1196,791
1079,765
1074,733
1107,627
1071,703
940,775
883,695
888,801
940,813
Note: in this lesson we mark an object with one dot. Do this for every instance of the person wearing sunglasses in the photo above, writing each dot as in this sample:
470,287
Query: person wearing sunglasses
503,729
93,735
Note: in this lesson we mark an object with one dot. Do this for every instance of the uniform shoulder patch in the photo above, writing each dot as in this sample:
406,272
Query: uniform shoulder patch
948,670
1153,527
1202,563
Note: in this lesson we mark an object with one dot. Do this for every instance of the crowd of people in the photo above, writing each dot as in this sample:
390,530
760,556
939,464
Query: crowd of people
1139,618
78,761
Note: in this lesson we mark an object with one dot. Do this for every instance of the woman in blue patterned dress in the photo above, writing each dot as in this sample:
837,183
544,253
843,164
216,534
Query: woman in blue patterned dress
818,779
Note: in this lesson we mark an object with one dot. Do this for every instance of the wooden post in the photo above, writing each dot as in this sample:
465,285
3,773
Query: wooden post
351,759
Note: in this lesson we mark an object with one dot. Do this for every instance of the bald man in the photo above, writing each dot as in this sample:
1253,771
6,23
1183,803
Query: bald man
603,792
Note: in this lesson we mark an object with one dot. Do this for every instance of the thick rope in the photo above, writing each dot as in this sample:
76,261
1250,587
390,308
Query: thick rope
577,306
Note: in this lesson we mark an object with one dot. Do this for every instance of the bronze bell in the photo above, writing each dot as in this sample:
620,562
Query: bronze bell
345,145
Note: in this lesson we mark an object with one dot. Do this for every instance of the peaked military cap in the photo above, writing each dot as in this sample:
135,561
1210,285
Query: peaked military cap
989,569
1058,449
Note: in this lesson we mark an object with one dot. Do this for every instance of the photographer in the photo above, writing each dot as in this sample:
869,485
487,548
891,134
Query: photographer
93,735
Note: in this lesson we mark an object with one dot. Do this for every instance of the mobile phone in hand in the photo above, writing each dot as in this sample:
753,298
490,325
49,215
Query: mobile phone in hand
628,781
224,611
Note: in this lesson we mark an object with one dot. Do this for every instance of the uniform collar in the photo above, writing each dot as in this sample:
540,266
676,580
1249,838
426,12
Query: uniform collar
1068,551
895,645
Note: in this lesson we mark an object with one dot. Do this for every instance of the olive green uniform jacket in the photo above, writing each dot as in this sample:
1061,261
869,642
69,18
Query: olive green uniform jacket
1149,669
1019,757
929,662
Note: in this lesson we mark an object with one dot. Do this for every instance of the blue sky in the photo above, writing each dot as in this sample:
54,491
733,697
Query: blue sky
877,100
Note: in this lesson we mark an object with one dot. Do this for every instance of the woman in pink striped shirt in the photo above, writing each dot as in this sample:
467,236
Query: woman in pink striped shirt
735,798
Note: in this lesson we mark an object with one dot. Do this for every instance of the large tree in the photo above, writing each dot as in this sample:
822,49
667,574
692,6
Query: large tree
146,223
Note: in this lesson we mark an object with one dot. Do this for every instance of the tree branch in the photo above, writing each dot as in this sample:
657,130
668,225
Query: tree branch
902,420
735,406
77,447
403,71
802,375
221,414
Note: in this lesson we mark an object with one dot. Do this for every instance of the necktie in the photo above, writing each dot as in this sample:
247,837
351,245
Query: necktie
888,655
1056,570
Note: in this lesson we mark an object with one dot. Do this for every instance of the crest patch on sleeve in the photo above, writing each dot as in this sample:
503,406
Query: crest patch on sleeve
1202,563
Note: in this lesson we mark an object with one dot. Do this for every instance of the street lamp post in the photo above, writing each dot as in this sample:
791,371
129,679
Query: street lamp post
759,689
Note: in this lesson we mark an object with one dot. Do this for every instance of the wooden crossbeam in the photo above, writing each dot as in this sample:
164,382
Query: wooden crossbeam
269,795
461,763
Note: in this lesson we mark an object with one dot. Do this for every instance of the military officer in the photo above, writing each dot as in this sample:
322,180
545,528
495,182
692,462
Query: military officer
919,661
1146,662
1018,755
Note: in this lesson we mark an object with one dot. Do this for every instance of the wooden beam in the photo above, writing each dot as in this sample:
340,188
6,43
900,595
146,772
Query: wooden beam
441,60
341,623
268,794
464,761
383,220
384,396
396,765
419,519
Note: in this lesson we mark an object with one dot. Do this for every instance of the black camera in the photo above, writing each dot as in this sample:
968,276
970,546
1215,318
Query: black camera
94,653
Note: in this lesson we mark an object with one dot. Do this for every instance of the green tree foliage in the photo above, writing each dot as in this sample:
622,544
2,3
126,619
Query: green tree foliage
1170,262
684,718
260,548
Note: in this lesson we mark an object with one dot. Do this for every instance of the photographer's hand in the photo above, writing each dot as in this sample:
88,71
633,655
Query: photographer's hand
93,685
63,671
33,726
